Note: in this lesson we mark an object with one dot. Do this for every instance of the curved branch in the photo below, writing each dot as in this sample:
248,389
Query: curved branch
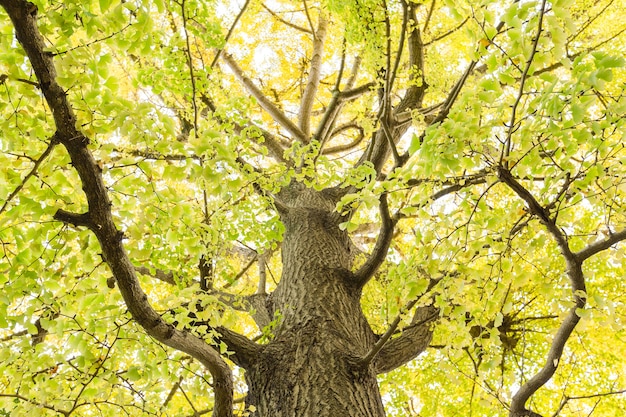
325,130
23,15
348,146
379,253
577,283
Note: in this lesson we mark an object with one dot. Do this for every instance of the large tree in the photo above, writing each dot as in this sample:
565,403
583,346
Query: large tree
312,208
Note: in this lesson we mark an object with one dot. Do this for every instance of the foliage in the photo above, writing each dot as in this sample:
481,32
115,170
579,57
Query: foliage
518,99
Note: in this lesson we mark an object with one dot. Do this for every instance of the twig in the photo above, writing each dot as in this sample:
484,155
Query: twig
33,171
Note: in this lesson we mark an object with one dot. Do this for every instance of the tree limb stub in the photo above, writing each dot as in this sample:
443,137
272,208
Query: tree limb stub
23,15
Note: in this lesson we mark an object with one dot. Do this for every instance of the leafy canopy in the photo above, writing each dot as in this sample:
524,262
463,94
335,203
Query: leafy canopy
515,149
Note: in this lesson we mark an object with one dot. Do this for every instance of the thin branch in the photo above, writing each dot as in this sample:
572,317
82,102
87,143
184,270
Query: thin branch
463,182
194,92
230,32
283,21
28,400
509,135
308,16
278,116
23,14
172,392
394,150
431,9
448,33
589,21
53,142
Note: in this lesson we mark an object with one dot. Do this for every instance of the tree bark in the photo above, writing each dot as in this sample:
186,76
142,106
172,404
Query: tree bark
311,367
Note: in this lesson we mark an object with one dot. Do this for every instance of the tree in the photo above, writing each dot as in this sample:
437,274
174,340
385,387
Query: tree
312,208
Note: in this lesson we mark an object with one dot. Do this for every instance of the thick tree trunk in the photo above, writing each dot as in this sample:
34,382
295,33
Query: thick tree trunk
311,367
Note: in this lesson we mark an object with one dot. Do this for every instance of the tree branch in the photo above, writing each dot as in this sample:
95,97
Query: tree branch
167,277
308,97
600,246
379,253
76,220
415,93
506,150
413,340
230,31
272,144
53,142
577,283
283,21
244,350
23,15
278,116
325,130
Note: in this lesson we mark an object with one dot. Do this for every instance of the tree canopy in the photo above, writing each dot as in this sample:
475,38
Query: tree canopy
469,154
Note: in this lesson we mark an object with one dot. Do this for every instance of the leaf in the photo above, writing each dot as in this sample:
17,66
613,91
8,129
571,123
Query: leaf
133,373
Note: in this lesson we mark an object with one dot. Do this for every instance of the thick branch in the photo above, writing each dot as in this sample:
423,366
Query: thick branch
415,93
600,246
23,15
167,277
413,340
244,350
74,219
308,97
357,91
278,116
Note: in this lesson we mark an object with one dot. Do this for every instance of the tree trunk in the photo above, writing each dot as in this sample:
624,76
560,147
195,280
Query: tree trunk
312,368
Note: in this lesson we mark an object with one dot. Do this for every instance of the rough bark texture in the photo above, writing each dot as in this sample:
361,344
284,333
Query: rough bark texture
310,368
